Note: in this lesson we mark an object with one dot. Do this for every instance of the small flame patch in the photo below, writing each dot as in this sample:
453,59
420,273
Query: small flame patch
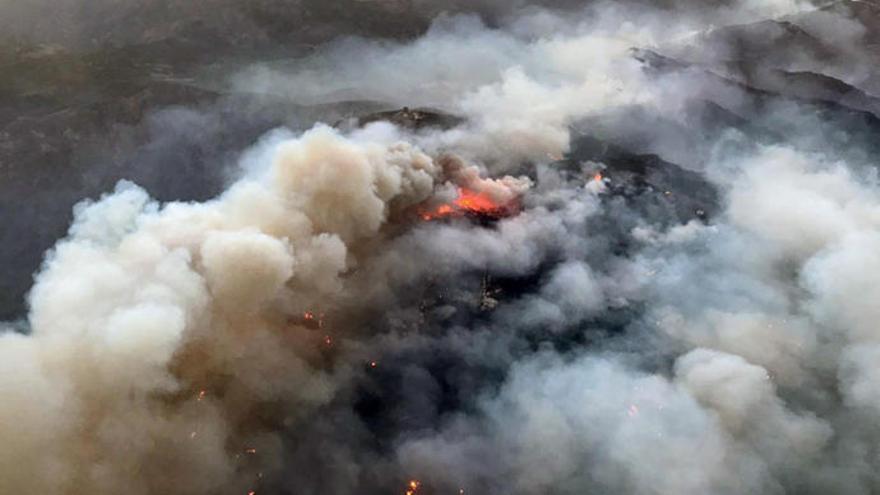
471,202
413,486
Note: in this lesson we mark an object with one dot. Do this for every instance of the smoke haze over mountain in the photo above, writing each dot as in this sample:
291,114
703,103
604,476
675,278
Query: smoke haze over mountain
439,247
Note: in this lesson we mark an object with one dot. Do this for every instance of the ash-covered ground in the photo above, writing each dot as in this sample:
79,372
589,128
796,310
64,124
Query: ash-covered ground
426,247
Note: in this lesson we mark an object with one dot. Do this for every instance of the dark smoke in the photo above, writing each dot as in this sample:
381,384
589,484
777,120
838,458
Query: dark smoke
423,248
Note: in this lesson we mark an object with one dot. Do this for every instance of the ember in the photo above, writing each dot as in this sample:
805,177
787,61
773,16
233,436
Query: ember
473,203
413,487
312,320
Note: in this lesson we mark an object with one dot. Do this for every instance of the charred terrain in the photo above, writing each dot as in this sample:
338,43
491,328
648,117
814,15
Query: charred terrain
424,247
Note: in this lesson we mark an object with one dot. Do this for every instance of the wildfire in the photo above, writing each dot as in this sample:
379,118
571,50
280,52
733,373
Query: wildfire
413,487
469,202
312,320
596,182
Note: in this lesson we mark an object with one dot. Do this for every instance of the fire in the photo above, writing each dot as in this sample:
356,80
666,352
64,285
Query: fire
312,320
473,201
413,487
597,177
440,212
470,202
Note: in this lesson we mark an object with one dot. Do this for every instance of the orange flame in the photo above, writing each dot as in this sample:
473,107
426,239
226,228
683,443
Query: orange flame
312,320
413,487
469,201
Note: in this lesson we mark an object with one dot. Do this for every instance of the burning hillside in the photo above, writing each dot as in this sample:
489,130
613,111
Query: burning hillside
472,203
538,247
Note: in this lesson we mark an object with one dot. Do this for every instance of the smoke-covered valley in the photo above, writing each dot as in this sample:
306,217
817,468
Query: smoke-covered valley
424,247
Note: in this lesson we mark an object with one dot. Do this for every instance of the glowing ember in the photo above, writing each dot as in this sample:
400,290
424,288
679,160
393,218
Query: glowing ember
312,320
250,451
413,487
202,394
328,340
470,202
597,177
373,364
440,212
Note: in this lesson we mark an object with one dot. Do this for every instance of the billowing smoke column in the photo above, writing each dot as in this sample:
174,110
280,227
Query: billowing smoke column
536,300
163,337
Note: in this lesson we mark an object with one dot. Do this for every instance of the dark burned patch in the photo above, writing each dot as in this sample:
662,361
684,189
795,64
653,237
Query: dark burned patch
648,183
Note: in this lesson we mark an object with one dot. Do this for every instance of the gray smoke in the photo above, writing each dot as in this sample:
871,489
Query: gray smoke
628,325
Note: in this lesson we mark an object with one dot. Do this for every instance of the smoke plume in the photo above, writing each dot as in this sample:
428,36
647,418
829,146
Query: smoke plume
636,255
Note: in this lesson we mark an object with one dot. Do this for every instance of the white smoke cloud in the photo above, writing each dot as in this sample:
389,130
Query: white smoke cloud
768,317
146,311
